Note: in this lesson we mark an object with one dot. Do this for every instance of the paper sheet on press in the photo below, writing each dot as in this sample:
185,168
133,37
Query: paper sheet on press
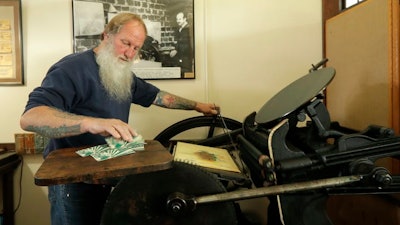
113,148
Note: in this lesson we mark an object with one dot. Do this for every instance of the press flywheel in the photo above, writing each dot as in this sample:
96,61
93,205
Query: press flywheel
141,199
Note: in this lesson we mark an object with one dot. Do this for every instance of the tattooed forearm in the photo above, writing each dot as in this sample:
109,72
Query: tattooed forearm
55,132
66,115
51,122
171,101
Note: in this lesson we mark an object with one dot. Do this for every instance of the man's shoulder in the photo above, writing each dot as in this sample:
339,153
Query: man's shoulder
75,64
77,58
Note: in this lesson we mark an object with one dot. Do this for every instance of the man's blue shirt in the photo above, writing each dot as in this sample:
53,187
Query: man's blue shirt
73,85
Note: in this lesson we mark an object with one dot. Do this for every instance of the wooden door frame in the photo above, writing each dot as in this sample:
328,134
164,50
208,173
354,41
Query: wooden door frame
330,8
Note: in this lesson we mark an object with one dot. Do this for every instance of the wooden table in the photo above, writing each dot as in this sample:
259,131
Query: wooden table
65,166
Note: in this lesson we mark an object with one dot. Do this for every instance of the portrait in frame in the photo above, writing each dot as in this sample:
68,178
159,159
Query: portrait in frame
11,63
168,51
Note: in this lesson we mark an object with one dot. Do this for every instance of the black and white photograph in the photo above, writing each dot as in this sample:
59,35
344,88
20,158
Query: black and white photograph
168,51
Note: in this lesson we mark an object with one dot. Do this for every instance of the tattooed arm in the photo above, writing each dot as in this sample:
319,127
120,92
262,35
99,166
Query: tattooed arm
168,100
55,123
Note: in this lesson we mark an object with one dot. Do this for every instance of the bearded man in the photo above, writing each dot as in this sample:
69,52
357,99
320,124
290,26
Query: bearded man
86,97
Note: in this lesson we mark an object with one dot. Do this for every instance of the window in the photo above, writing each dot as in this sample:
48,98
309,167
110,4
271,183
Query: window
349,3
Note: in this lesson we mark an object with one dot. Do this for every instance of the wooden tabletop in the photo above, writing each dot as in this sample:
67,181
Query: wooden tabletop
65,166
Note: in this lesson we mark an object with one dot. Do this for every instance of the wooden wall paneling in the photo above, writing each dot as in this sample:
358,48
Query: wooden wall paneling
395,67
362,44
395,63
357,46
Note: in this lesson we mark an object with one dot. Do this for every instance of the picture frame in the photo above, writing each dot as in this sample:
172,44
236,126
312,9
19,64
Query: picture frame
11,60
168,51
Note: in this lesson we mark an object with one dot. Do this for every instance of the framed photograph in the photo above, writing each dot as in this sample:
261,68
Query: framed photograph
168,51
11,64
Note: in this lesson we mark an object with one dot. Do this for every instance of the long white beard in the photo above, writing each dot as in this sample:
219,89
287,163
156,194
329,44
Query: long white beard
116,75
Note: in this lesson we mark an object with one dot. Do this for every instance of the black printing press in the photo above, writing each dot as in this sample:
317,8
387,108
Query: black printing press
289,151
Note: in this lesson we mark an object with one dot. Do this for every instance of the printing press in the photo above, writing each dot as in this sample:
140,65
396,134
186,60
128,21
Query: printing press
289,151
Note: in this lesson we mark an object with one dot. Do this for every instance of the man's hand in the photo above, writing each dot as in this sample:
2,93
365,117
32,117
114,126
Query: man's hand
108,127
208,109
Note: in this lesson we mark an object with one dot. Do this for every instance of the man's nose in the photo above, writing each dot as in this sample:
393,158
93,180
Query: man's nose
130,52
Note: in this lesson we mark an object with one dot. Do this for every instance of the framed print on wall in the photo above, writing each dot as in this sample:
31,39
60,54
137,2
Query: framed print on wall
168,51
11,66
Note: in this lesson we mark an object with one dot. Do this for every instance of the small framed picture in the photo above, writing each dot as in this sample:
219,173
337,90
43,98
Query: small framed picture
11,64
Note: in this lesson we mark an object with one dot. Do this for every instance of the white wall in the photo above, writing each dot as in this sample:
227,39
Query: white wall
246,51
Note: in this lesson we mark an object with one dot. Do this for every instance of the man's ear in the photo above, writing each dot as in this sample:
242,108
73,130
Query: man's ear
104,36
